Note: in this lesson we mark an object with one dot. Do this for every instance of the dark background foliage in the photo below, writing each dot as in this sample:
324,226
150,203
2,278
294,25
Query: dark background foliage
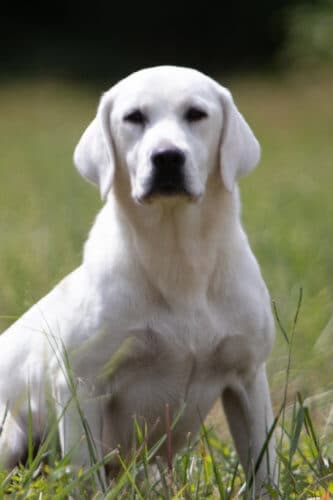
100,39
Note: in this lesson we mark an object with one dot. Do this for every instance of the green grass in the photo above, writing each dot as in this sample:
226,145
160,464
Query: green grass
45,214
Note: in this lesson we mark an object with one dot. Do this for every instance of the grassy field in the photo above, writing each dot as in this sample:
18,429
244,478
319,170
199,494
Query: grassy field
46,210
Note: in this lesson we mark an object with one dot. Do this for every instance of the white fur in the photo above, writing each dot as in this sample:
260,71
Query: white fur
169,306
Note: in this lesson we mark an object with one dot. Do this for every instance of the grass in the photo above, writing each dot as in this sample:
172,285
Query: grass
46,211
206,469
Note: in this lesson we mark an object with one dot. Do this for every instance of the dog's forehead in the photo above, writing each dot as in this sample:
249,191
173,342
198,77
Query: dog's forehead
164,84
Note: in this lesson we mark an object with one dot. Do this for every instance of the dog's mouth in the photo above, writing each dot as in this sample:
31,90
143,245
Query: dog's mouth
168,194
166,191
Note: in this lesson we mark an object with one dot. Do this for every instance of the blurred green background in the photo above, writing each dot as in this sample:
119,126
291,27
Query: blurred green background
276,57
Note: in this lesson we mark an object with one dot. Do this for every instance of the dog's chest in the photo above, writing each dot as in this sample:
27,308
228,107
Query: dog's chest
175,351
180,363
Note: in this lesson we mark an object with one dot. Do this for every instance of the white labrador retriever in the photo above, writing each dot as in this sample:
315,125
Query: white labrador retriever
169,307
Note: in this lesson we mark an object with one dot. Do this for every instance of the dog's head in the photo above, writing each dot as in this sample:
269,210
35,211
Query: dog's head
166,129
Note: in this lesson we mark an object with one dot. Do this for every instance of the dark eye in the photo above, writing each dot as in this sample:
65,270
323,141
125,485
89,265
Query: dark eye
195,114
136,117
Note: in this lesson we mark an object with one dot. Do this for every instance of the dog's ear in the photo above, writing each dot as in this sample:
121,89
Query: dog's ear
94,154
240,150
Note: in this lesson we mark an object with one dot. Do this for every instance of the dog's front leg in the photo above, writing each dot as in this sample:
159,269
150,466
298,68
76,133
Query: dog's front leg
80,422
249,413
13,439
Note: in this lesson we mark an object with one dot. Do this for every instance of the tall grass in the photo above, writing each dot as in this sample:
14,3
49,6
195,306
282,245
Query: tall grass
207,468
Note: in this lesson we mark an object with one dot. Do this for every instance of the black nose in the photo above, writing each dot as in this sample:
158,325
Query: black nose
168,175
169,159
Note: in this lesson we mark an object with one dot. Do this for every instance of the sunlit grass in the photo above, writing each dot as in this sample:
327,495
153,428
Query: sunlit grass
207,468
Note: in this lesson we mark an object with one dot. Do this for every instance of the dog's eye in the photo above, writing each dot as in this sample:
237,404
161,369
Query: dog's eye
195,114
136,117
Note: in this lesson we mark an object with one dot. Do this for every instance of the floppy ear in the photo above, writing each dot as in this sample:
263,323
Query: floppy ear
94,155
240,150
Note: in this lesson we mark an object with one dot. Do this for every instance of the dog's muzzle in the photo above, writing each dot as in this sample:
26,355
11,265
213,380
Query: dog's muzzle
168,177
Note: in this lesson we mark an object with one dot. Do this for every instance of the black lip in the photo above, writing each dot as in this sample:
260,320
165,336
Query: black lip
170,190
167,190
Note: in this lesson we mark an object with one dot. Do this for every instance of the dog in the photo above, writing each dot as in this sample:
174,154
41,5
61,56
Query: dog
168,308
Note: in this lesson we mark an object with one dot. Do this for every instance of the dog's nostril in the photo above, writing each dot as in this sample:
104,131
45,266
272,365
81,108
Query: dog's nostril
169,158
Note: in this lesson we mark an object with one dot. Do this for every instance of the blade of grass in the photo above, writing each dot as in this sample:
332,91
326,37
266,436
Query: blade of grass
299,421
130,478
233,480
30,432
217,475
290,344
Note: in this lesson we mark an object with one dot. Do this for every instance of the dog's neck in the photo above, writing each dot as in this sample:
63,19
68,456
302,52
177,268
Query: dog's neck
177,244
180,241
